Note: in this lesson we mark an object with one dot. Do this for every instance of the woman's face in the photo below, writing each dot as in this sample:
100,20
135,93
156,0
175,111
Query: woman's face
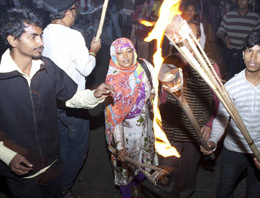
125,57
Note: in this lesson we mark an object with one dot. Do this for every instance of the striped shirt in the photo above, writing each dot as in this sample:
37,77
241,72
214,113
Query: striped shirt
246,98
236,27
176,124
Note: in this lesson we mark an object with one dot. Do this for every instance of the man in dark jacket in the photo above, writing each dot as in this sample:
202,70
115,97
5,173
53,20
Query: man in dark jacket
29,87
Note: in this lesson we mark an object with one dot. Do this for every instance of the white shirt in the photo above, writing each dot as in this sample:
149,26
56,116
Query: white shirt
246,98
67,49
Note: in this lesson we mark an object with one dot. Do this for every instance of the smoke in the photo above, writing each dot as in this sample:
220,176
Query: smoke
91,9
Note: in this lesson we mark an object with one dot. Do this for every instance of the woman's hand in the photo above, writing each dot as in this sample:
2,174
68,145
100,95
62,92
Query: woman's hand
121,153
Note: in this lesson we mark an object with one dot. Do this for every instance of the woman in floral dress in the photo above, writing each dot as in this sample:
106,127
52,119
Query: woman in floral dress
128,125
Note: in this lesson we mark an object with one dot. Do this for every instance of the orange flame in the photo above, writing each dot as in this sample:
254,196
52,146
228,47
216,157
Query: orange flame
147,23
168,10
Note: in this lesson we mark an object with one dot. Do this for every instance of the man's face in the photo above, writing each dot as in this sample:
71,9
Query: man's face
30,43
252,58
242,4
190,12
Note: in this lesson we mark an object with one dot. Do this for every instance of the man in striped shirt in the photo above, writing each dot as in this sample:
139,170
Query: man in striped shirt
244,90
178,128
234,28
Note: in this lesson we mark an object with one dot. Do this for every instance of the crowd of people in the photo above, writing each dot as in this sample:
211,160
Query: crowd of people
44,128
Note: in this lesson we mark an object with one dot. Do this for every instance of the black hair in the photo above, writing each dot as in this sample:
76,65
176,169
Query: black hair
196,17
15,20
59,15
194,4
252,39
59,12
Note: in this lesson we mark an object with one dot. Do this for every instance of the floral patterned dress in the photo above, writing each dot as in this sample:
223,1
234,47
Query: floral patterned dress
135,134
128,125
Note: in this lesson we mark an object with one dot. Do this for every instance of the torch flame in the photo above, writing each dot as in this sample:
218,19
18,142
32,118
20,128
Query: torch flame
168,10
147,23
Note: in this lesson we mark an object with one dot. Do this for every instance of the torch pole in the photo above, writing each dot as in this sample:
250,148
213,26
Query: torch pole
202,65
102,19
185,106
159,175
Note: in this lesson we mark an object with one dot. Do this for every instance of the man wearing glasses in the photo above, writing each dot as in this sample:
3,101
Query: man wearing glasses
66,47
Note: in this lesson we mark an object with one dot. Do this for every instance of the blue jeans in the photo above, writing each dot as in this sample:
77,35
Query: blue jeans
232,165
74,135
127,25
114,24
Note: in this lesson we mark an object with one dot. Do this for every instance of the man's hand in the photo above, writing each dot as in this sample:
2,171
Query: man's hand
211,144
226,40
95,46
228,43
121,153
103,91
206,131
19,165
257,163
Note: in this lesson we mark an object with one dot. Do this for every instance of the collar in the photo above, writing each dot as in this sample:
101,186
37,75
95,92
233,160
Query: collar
243,73
8,65
58,25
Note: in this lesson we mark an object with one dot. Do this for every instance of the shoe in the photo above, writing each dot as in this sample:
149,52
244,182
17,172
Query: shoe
136,191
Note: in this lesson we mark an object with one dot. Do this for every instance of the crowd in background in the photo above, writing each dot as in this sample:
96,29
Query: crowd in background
123,19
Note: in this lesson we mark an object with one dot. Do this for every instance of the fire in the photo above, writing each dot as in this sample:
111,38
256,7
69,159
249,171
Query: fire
168,10
147,23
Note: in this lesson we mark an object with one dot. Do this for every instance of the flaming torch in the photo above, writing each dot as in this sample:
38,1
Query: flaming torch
162,144
171,78
159,177
180,35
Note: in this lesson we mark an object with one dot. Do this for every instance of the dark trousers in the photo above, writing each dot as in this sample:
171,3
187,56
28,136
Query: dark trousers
183,169
127,26
46,185
234,62
74,135
232,165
